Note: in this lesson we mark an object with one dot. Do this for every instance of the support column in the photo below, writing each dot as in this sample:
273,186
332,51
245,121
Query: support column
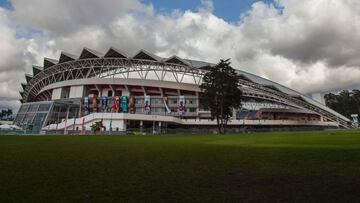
113,90
233,114
122,125
153,128
99,90
66,119
141,125
159,127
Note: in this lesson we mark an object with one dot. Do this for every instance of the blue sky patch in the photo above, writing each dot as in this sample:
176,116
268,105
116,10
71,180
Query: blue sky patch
6,4
229,10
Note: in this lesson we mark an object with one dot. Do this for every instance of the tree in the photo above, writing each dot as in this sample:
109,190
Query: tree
345,103
221,92
9,113
96,127
3,113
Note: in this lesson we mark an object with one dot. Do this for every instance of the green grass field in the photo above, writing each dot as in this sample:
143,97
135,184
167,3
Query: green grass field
266,167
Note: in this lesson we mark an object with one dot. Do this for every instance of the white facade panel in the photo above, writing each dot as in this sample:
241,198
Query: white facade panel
105,91
56,94
76,91
319,97
125,93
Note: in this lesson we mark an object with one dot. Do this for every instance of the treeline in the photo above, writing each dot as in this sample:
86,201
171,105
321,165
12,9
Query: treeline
345,103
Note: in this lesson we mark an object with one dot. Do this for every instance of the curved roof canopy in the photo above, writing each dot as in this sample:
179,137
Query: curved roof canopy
49,62
37,70
23,85
115,53
177,60
65,57
142,54
28,77
89,53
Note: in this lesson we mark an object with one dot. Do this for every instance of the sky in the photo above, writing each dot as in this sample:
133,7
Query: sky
229,10
310,45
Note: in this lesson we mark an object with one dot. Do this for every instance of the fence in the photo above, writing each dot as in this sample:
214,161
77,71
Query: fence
163,131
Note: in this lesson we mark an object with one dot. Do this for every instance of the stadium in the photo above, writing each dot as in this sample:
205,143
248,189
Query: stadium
144,91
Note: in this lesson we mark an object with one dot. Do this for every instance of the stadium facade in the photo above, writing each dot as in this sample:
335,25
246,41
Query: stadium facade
146,91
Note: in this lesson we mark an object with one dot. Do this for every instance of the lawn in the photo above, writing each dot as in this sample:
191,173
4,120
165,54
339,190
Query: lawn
265,167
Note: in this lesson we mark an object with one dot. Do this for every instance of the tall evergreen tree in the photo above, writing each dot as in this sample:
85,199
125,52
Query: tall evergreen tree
221,93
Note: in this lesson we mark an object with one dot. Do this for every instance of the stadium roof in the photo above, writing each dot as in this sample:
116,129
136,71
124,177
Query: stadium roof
88,53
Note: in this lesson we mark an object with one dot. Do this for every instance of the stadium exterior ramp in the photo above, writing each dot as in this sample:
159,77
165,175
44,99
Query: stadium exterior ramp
143,90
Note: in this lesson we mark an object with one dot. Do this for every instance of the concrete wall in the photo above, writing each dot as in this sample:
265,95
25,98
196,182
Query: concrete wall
119,121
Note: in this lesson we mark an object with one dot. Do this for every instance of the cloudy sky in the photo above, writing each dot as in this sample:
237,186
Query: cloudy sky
309,45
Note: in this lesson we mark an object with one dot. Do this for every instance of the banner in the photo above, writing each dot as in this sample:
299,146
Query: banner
132,104
113,104
95,103
166,100
147,107
86,104
103,102
124,104
117,104
181,104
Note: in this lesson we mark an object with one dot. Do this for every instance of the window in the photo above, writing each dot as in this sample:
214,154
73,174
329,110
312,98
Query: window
19,118
24,108
44,107
192,109
139,101
109,93
118,93
33,108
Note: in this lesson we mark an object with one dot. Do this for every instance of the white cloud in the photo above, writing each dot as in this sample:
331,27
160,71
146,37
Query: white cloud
309,45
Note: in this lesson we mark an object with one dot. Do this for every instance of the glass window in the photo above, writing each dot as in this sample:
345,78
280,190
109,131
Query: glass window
24,108
39,120
19,118
28,117
33,108
192,109
44,107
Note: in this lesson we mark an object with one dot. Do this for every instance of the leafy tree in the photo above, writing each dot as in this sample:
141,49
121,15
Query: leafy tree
96,127
3,113
9,112
221,92
345,103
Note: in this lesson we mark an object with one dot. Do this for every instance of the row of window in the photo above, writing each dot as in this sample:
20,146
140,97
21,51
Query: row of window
34,108
161,101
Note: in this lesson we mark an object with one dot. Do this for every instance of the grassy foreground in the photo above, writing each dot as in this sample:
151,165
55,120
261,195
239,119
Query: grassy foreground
267,167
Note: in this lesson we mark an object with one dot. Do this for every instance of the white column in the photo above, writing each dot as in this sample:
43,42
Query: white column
159,127
141,125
